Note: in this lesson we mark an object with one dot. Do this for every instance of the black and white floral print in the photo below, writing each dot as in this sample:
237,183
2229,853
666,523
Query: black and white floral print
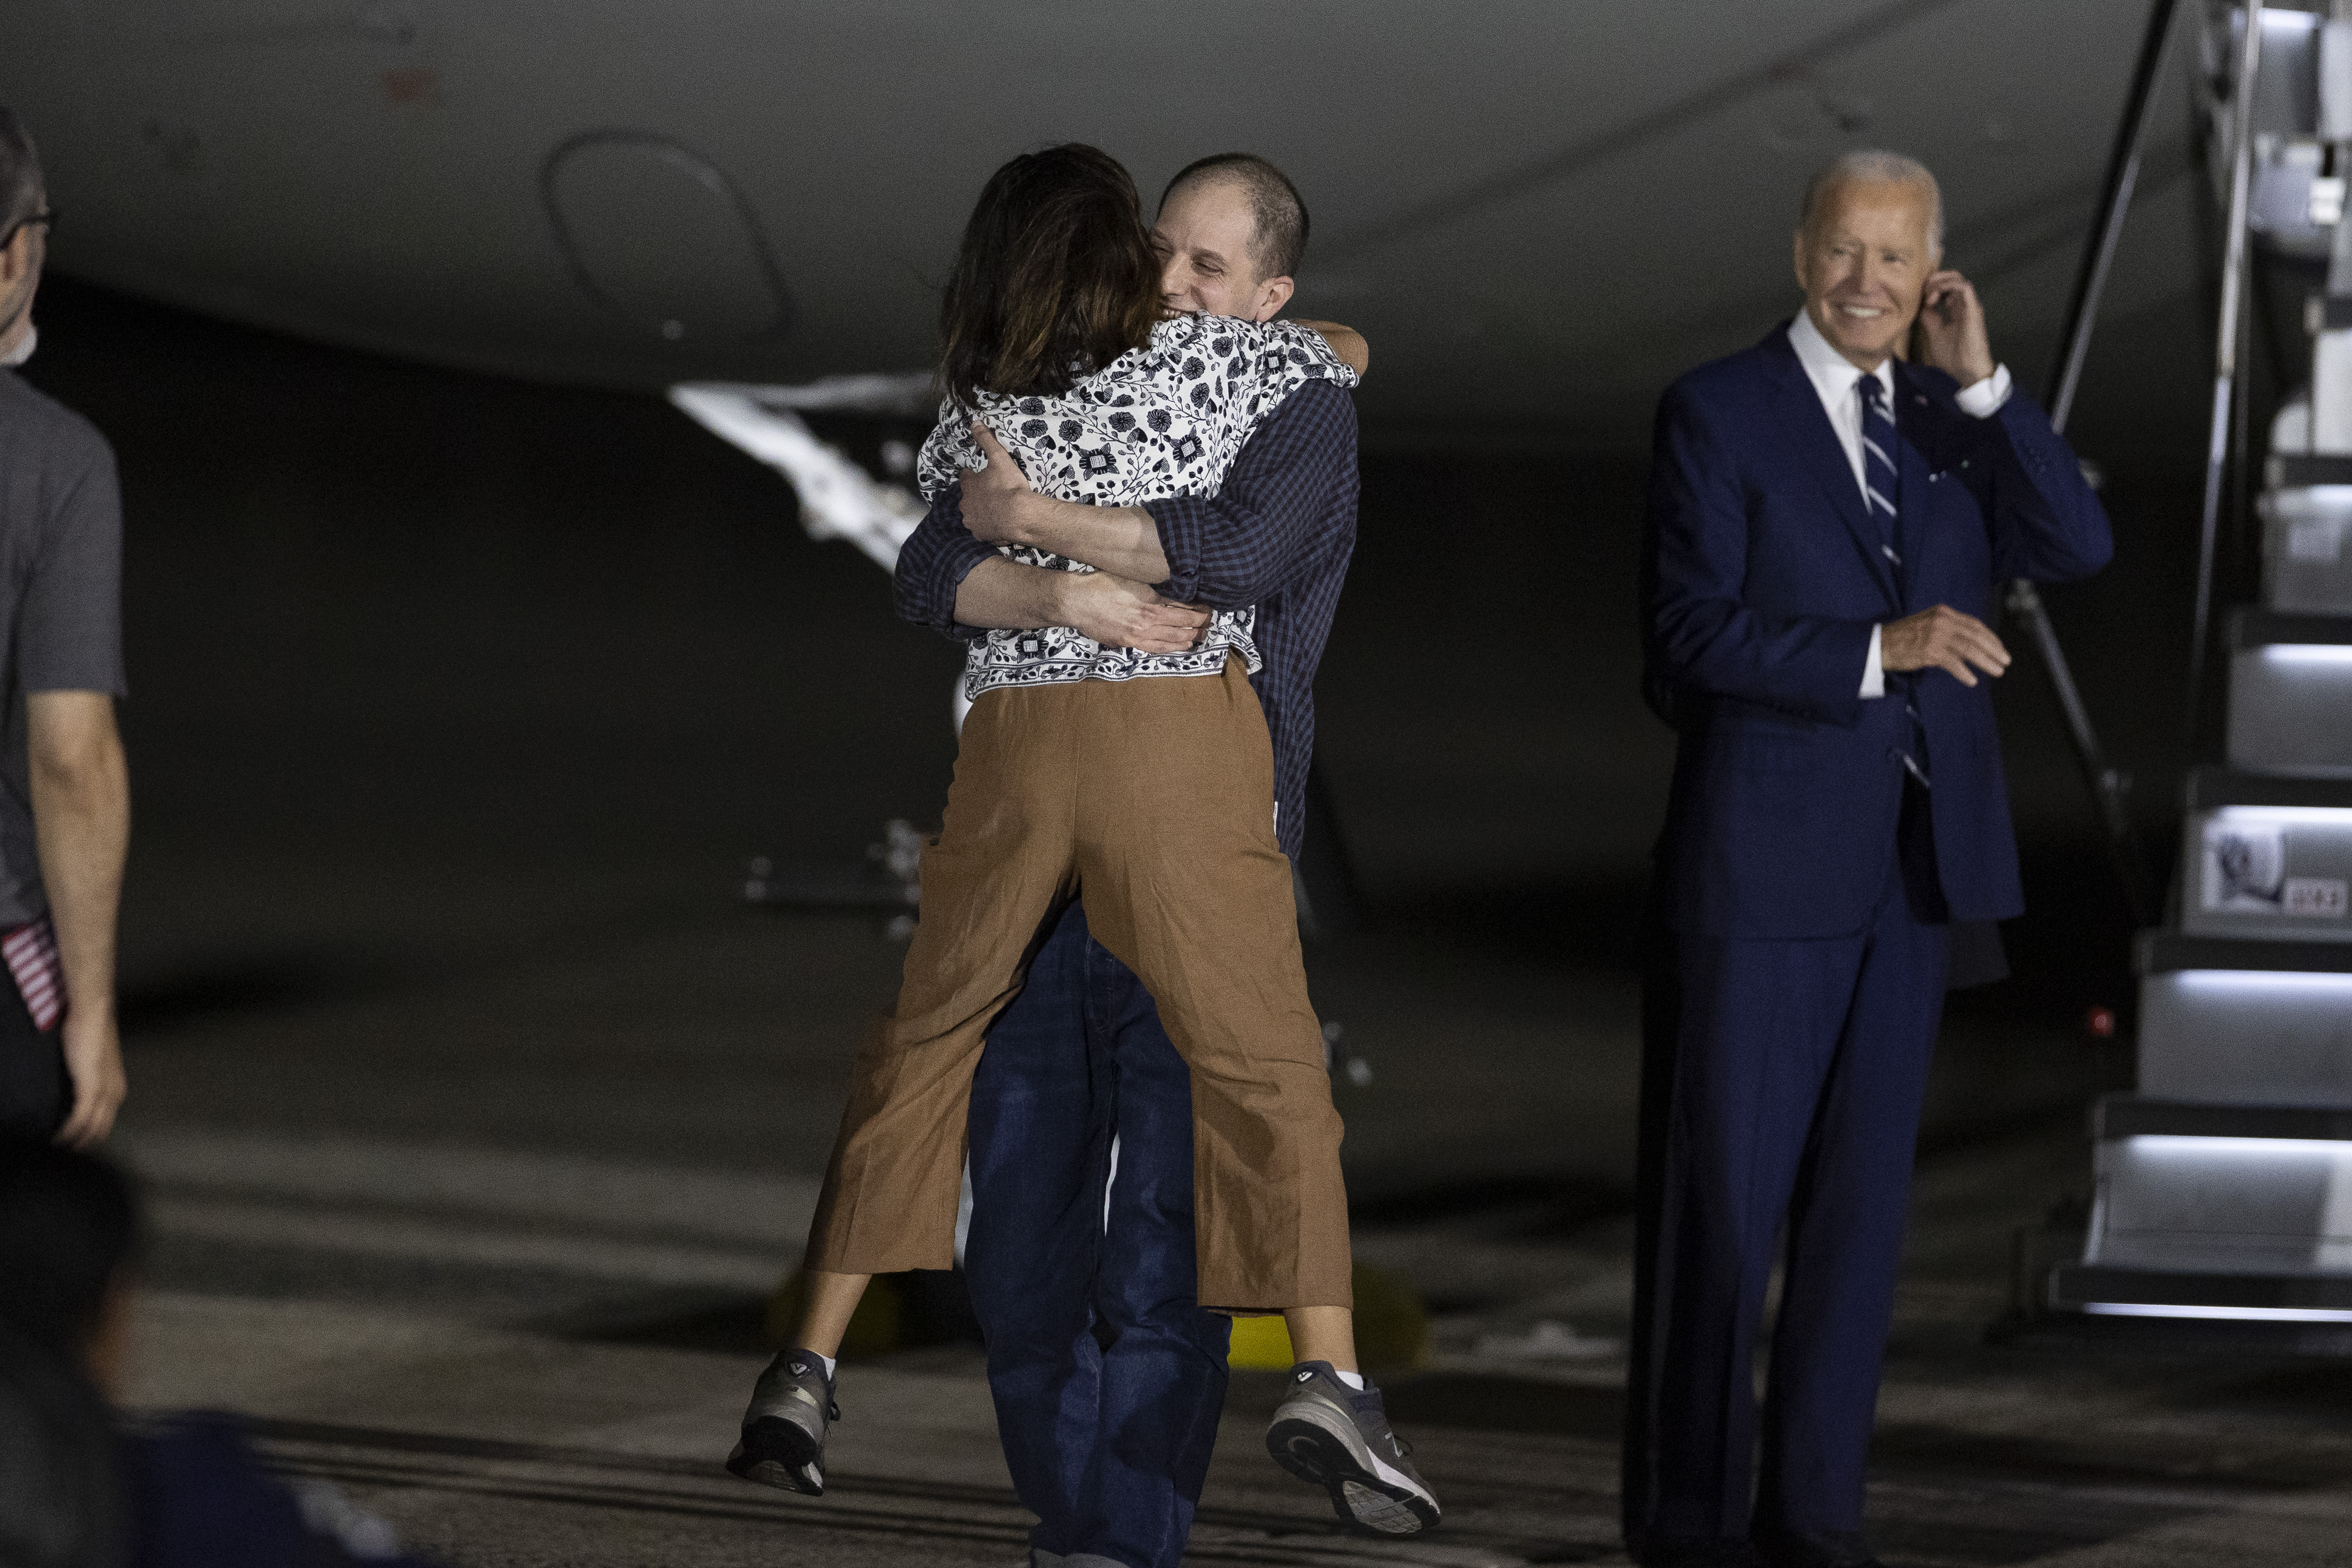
1160,421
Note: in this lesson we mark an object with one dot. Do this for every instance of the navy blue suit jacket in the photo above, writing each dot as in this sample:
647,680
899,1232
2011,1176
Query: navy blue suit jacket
1762,576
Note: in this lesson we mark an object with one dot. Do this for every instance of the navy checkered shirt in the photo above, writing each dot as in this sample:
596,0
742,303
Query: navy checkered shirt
1278,535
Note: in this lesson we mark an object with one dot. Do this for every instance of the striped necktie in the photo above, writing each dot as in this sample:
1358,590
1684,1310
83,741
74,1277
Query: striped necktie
1880,483
1881,486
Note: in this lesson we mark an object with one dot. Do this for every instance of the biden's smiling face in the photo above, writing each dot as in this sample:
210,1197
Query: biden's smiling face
1862,261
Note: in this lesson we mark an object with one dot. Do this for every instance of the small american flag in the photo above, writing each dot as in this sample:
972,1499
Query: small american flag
31,952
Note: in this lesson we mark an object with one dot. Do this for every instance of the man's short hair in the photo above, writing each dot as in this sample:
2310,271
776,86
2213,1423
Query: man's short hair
21,188
1278,213
1873,165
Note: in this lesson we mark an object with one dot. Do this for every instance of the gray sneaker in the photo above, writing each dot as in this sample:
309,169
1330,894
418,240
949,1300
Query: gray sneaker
783,1431
1326,1433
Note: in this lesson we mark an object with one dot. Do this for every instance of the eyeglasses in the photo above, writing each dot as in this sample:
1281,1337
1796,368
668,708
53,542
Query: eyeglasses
46,217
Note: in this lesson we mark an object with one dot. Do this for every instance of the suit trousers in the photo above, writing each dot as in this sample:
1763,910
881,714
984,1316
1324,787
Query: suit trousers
1781,1090
1155,798
1108,1376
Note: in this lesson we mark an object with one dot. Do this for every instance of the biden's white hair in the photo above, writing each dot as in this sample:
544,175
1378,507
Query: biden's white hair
1872,165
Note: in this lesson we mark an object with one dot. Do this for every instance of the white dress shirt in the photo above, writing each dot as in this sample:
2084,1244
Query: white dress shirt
1835,377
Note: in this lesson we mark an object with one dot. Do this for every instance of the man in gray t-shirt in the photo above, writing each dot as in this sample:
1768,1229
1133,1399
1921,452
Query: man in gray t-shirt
64,794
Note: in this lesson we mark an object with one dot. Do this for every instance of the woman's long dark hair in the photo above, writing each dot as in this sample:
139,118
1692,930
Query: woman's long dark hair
1055,279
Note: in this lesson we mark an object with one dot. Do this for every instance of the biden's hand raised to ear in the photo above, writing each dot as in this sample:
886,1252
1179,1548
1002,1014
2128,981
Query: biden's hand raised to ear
1952,336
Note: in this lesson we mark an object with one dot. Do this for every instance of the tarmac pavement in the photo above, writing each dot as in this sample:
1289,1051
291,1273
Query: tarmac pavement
526,1360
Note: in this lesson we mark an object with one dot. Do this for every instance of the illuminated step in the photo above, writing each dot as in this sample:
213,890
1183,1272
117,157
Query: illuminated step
2308,549
2245,1023
2222,1211
2267,857
2291,694
2223,1205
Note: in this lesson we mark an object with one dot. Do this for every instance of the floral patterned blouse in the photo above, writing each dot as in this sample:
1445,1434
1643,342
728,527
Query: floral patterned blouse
1160,421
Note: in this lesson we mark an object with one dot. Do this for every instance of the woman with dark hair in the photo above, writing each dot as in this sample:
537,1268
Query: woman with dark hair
1143,778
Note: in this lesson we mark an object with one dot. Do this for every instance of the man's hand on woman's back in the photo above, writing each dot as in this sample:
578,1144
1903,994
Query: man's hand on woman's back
997,499
1118,613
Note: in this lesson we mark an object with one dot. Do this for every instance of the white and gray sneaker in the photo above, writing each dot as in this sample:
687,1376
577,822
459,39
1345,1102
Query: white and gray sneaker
1326,1433
783,1431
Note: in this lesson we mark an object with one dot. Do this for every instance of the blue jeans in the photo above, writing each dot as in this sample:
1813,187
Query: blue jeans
1107,1376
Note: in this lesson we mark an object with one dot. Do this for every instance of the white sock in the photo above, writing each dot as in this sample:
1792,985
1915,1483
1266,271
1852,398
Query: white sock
830,1363
1354,1380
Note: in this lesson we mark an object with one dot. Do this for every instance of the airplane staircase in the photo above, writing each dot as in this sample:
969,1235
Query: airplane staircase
2224,1183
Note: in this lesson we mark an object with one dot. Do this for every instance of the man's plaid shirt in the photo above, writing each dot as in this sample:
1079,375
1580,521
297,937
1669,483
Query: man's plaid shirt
1278,535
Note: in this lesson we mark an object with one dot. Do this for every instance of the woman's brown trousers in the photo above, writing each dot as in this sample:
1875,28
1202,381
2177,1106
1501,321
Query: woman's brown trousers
1154,799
